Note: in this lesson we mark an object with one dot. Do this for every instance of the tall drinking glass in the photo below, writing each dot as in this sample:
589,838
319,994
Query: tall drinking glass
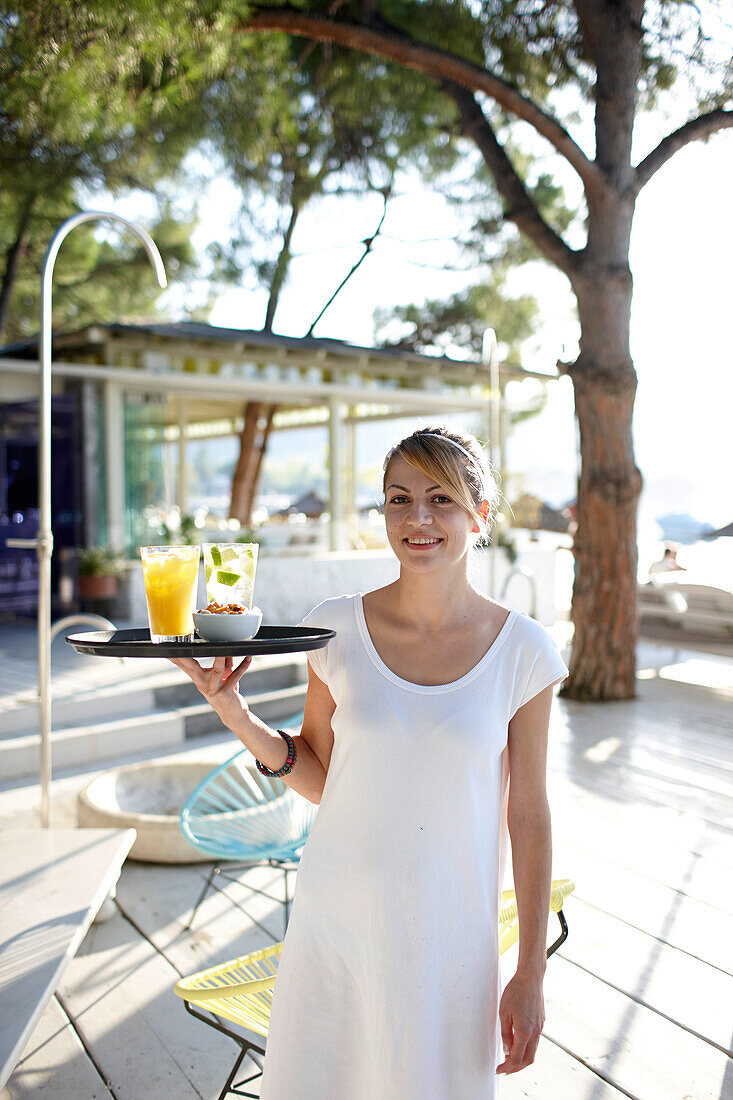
230,572
171,575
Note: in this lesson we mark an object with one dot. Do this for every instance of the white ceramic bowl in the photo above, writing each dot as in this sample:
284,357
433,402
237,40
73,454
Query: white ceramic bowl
227,628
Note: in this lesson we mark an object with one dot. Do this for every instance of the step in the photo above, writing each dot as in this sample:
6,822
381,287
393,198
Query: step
270,706
132,694
77,746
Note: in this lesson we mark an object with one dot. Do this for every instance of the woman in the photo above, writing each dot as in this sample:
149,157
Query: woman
428,700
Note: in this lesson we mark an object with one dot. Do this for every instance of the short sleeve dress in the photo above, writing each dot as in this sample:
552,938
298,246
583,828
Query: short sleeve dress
388,984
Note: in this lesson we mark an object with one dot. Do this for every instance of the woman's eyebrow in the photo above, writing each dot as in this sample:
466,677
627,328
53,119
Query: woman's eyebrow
404,490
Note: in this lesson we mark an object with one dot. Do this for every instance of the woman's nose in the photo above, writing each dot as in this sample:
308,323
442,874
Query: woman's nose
420,512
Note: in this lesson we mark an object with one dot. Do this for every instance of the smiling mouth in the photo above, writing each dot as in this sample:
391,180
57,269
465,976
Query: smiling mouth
422,542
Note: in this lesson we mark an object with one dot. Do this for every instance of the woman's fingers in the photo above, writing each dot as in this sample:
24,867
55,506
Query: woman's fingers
520,1047
188,665
222,674
239,672
228,676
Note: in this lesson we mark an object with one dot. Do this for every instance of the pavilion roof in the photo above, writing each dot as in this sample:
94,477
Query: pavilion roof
190,337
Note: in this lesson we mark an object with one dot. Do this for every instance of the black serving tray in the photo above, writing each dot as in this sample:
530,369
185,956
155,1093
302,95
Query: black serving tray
136,643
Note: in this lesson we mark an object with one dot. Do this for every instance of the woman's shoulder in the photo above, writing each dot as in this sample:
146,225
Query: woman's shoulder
531,633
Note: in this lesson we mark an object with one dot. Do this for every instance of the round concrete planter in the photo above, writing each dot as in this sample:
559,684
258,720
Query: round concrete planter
148,797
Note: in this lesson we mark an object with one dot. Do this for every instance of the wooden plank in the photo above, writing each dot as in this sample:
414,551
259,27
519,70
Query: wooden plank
555,1074
119,992
697,996
623,826
55,1064
680,731
629,1045
632,789
685,923
160,899
636,841
52,883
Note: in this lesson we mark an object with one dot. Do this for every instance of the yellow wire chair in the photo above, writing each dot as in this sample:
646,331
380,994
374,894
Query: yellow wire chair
240,990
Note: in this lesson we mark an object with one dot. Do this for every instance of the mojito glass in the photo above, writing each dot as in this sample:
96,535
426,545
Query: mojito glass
171,577
230,572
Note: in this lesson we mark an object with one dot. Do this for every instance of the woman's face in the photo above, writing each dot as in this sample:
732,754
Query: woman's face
426,528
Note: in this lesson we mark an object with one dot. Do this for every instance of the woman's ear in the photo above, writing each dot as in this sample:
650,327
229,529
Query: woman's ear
484,510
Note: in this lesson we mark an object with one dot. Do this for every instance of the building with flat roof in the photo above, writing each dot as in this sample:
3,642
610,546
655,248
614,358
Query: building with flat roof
121,393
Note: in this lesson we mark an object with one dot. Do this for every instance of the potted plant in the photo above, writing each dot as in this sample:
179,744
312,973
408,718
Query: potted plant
100,570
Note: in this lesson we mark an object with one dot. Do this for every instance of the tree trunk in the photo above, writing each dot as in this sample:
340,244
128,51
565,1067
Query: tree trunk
603,661
13,257
604,593
245,462
254,480
252,446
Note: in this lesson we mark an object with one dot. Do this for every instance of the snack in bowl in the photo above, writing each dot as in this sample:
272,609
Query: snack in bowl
227,622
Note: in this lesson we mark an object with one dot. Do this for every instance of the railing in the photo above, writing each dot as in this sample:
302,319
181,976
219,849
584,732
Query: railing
523,571
71,620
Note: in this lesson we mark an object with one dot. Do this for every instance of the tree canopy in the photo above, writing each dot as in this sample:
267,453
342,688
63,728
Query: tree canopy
96,98
506,65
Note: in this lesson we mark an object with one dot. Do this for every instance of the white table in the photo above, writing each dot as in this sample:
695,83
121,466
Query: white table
52,883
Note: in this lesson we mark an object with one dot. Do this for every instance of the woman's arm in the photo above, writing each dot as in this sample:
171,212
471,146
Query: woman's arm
522,1012
219,685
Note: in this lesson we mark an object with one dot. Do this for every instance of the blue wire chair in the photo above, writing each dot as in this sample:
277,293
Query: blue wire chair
236,814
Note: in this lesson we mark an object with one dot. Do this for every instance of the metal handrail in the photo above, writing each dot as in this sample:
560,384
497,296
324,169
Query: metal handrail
523,571
62,624
69,620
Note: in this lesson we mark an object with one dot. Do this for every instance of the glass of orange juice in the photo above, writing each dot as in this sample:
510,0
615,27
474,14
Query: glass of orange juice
171,577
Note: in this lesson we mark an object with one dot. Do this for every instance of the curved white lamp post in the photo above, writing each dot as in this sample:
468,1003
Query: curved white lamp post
44,541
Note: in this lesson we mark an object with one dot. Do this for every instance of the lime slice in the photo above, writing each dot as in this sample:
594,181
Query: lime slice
228,555
215,555
208,570
224,576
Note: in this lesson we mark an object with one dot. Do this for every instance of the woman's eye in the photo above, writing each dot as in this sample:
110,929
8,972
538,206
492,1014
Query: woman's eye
398,500
442,499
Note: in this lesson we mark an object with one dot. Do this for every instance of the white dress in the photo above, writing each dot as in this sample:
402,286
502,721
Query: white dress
388,985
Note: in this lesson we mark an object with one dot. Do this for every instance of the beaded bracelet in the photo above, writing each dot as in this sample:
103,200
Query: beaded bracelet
287,766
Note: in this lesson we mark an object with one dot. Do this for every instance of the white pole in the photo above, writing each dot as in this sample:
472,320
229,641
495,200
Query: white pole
114,464
44,542
337,540
182,484
490,360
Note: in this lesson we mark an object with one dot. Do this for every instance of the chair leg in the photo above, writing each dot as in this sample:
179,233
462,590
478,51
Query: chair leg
286,901
246,1047
236,1089
207,886
228,1086
563,934
234,877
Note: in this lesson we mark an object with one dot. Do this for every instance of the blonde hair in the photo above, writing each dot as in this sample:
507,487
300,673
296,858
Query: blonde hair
455,461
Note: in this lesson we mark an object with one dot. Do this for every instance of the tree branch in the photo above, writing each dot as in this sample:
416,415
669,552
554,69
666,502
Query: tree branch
368,243
695,130
412,54
520,206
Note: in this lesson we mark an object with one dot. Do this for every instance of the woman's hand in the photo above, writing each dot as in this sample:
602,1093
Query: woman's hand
219,685
522,1017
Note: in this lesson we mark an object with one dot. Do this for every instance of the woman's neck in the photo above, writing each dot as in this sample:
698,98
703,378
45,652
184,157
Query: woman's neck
434,601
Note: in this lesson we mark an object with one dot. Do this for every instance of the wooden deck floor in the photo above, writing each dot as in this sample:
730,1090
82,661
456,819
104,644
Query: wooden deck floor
639,999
